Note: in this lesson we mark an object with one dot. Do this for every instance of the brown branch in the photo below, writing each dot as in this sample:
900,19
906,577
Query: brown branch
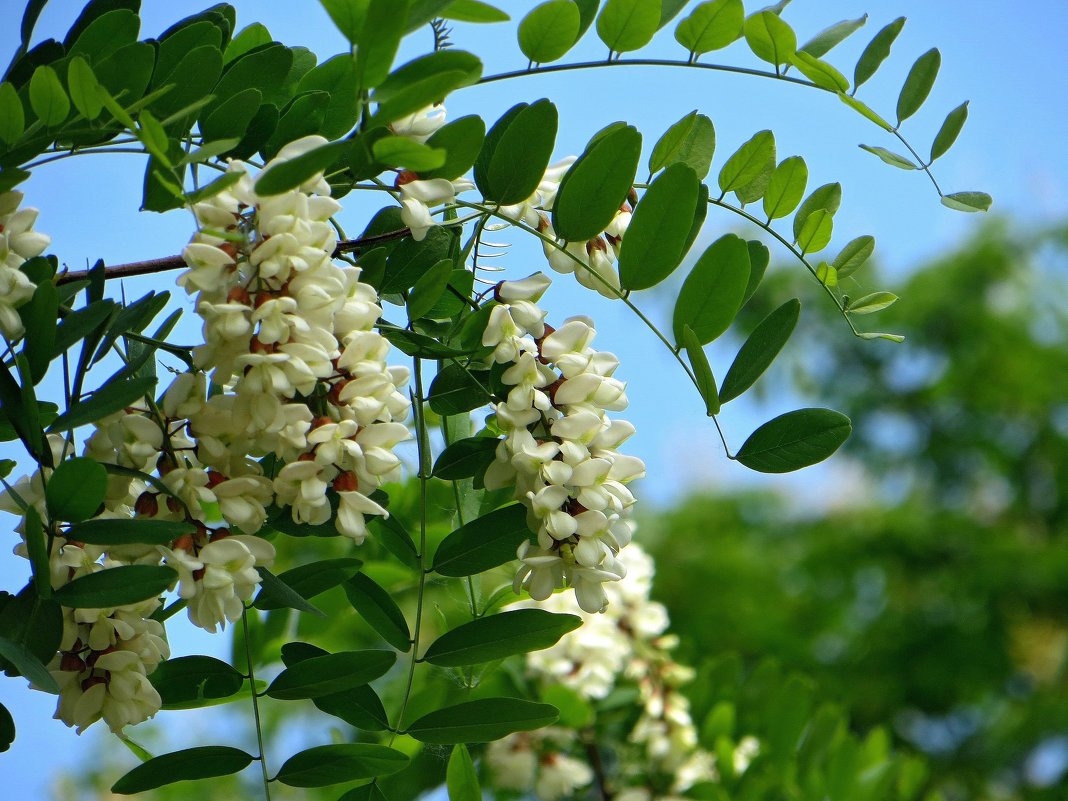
593,756
166,263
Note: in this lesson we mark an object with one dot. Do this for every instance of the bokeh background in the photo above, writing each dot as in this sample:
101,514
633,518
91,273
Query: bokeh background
921,576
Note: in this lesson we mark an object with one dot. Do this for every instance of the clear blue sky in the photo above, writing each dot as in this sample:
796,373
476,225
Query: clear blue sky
1005,59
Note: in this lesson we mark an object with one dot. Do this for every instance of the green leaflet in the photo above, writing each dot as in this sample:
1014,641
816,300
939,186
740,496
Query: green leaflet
690,141
950,130
794,440
498,636
712,293
481,721
659,229
876,52
626,25
712,25
770,38
76,489
203,762
549,31
786,187
324,765
760,349
918,84
748,162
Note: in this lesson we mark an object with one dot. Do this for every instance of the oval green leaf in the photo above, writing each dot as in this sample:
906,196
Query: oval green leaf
521,154
461,779
626,25
47,98
854,255
786,187
188,682
465,458
481,721
712,293
918,84
702,370
770,38
876,51
329,674
129,531
204,762
549,31
378,608
658,232
76,489
484,543
712,25
116,586
324,765
497,636
760,350
748,162
968,201
690,141
794,440
949,131
461,140
827,197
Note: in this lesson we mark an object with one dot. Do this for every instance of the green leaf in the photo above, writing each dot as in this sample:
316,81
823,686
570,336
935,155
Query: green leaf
461,779
336,76
876,52
481,721
829,38
876,335
233,117
264,69
379,39
348,16
484,543
413,343
411,259
204,762
819,72
76,489
549,31
626,25
461,140
786,187
465,458
690,141
84,88
949,131
12,117
281,596
869,304
968,201
310,580
816,232
891,158
378,608
760,350
360,707
827,197
324,765
702,370
329,674
28,665
47,98
39,320
129,531
712,25
853,255
425,80
594,189
429,289
219,185
520,153
794,440
293,172
7,729
365,792
748,162
456,390
405,153
473,11
865,110
188,682
712,293
498,636
116,586
37,549
770,38
110,398
303,117
918,84
659,230
248,38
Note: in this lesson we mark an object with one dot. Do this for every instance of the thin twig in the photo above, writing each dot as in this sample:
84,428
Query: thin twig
166,263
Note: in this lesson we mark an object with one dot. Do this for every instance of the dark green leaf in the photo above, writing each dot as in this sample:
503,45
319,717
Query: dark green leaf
303,117
465,458
233,117
949,131
702,370
711,26
876,51
187,682
413,343
129,531
28,665
378,608
360,707
829,38
658,231
116,586
7,729
794,440
481,721
76,489
461,140
760,350
331,673
39,320
497,636
37,549
484,543
549,31
405,153
456,390
748,162
34,622
264,69
595,187
336,76
968,201
47,98
109,399
310,580
204,762
324,765
412,259
770,38
461,779
429,289
690,141
626,25
423,81
520,154
348,16
712,293
918,84
379,39
281,596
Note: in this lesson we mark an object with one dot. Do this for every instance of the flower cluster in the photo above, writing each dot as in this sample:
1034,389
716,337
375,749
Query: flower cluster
628,643
560,450
18,243
538,761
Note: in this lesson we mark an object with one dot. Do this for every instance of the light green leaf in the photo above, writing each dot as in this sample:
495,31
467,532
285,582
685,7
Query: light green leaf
461,779
690,141
968,201
750,160
248,38
864,109
379,40
786,187
712,25
875,335
473,11
759,258
829,38
481,721
484,543
498,636
549,31
405,153
891,158
819,72
770,37
324,765
204,762
853,255
702,370
12,116
876,52
348,16
47,98
949,131
869,304
378,608
292,173
423,81
84,88
794,440
828,197
918,84
760,349
712,293
116,586
626,25
659,229
816,232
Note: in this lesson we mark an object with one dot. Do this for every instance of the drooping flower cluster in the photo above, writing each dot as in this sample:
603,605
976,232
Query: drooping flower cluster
560,450
18,243
538,761
625,644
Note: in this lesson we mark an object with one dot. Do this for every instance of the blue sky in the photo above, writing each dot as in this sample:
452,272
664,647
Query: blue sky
1005,59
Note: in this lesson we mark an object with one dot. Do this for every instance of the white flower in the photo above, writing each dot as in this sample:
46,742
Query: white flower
421,124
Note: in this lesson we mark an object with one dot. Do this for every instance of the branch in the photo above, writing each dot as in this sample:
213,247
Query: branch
166,263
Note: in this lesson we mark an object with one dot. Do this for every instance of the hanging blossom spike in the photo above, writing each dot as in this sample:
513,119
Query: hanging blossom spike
560,450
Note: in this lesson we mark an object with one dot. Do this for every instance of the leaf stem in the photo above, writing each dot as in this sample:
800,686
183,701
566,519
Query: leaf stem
262,758
926,167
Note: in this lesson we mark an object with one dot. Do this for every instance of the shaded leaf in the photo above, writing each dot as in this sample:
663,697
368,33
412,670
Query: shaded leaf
760,349
712,293
76,489
378,608
659,229
498,636
702,370
481,721
465,458
204,762
324,765
187,682
461,779
116,586
330,673
484,543
876,51
794,440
